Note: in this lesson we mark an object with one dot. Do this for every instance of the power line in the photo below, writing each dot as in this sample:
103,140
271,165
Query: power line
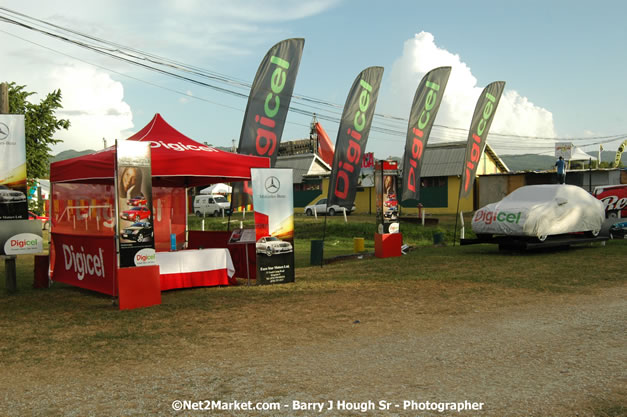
385,124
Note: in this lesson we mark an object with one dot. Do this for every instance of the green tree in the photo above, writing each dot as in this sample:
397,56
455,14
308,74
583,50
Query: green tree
41,124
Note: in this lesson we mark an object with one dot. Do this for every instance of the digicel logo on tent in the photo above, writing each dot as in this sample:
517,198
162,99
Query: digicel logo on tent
180,147
83,263
145,256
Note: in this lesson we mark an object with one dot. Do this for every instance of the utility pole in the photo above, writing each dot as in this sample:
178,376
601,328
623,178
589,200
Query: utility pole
10,270
4,98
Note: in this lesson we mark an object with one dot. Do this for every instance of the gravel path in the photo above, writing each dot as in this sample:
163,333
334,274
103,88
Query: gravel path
518,355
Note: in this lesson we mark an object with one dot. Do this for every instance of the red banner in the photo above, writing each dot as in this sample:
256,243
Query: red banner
84,261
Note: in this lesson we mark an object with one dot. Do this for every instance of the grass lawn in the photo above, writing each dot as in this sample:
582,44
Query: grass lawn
63,332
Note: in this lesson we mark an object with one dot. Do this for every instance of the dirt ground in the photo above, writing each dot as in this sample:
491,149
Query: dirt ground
518,352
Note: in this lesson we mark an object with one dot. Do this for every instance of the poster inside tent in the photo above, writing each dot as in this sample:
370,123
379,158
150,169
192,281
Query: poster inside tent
134,195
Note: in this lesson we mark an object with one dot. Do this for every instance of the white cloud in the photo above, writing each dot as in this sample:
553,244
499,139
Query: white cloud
185,100
516,115
94,104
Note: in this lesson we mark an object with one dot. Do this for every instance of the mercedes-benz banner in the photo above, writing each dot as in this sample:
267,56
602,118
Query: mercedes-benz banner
13,201
273,199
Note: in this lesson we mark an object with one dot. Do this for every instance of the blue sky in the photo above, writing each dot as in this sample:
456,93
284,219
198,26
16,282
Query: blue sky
563,63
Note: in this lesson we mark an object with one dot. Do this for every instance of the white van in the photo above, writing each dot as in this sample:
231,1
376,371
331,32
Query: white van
214,204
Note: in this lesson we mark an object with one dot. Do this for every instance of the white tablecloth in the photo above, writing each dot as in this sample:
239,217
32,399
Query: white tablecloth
195,260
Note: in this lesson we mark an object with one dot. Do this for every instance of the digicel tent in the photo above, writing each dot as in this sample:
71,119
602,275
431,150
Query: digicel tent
177,161
83,251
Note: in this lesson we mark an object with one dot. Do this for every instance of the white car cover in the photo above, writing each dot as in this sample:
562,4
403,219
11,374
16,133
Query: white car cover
541,210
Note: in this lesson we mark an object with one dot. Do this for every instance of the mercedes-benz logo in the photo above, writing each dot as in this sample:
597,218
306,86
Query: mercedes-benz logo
272,185
4,131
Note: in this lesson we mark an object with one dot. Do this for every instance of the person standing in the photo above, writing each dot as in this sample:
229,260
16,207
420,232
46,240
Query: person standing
561,170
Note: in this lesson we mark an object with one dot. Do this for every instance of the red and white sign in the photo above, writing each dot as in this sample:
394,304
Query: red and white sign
23,243
86,262
614,198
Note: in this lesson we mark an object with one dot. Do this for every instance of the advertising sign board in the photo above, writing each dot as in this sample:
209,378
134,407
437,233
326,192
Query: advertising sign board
273,199
134,195
13,189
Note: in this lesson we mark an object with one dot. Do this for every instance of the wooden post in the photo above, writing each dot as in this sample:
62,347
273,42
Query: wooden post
4,98
9,261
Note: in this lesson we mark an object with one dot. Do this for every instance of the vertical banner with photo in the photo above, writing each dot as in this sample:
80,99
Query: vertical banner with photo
273,198
134,201
385,183
13,200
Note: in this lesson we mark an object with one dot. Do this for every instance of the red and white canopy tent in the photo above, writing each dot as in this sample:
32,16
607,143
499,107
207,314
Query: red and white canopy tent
177,161
83,201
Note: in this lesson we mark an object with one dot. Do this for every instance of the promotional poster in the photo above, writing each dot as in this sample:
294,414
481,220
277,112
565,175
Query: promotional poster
386,174
134,201
366,176
273,199
13,200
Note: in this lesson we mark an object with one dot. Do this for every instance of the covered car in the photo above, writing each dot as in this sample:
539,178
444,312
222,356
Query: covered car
540,211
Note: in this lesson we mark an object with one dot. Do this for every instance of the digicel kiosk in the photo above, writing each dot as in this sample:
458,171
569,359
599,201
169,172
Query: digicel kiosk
83,249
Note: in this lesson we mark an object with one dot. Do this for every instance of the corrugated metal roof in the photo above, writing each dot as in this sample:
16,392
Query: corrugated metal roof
447,159
443,160
304,164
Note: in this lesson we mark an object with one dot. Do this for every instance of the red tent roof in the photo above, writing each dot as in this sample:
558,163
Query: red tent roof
176,161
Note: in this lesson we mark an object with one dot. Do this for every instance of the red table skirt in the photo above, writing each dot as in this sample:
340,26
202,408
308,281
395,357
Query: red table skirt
196,279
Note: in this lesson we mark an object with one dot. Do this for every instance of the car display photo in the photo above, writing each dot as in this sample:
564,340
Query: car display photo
270,245
540,211
8,195
135,214
137,201
139,232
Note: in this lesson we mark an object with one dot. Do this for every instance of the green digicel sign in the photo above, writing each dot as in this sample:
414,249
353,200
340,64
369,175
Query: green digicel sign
499,216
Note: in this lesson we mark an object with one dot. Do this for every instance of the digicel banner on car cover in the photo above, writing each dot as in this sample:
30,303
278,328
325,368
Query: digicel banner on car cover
353,136
479,127
422,115
273,197
268,103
